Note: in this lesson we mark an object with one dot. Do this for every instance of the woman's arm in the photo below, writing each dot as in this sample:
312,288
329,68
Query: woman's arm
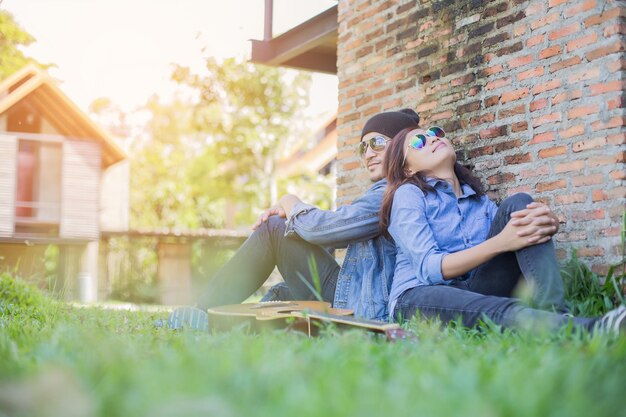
508,240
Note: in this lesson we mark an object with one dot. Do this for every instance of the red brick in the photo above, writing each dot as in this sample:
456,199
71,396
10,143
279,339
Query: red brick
519,127
496,69
575,60
573,236
569,95
533,72
583,41
615,103
569,166
590,252
546,20
554,3
584,145
512,111
483,118
501,82
501,178
548,118
523,60
535,8
465,79
586,74
534,172
600,161
563,31
579,8
492,132
550,152
617,175
571,198
543,137
438,116
538,104
614,29
517,159
535,40
520,189
550,186
572,131
550,52
617,139
606,87
492,101
601,18
514,95
611,123
587,180
550,85
617,46
582,111
616,193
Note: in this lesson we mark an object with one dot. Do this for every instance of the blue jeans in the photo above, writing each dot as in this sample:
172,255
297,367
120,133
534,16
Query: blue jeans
266,248
449,303
537,265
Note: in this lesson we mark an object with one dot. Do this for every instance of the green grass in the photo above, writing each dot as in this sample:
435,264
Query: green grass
58,360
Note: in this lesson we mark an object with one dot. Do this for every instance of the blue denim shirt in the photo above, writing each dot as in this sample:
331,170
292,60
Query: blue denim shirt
428,226
365,276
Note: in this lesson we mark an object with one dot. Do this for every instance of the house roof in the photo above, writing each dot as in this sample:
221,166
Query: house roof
35,86
310,46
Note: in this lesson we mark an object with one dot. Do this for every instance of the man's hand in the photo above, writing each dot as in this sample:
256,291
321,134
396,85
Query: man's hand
537,222
276,210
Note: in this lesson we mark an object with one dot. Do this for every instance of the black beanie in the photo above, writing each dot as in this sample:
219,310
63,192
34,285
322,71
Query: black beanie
391,123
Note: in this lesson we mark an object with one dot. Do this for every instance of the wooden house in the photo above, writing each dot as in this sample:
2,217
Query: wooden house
62,180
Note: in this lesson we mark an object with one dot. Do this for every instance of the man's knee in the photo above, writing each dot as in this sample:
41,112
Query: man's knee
273,227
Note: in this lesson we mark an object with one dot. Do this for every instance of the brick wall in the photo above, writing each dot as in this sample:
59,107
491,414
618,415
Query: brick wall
531,93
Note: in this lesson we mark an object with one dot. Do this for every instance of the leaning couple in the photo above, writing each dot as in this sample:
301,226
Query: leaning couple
423,239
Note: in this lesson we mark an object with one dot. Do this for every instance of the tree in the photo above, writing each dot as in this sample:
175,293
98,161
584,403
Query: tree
214,148
12,37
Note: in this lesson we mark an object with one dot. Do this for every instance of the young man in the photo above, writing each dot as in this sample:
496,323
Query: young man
362,283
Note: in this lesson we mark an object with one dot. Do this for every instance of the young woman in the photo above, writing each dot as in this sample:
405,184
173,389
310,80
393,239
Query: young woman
460,255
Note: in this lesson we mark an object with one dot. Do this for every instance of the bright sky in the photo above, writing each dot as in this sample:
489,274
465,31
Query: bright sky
123,49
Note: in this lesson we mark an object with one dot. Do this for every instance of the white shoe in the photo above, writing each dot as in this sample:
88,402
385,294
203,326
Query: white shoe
613,322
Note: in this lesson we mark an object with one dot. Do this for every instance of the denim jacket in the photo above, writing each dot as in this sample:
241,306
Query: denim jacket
365,276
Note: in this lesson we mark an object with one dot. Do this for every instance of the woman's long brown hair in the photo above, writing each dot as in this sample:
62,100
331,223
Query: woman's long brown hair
396,176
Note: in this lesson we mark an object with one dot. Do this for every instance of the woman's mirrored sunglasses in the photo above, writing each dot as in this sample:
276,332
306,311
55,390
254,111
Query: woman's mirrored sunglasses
418,141
377,143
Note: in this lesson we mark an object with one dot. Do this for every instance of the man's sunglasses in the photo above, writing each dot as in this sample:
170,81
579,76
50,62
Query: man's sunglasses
418,141
377,143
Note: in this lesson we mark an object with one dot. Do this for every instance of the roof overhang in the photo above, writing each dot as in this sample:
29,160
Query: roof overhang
310,46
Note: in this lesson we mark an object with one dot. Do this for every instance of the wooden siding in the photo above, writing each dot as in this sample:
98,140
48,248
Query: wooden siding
80,190
8,162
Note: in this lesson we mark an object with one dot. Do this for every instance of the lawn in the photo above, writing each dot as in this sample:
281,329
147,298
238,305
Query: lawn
59,360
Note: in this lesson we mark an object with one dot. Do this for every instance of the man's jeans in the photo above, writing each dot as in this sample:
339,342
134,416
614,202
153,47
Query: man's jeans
255,260
487,293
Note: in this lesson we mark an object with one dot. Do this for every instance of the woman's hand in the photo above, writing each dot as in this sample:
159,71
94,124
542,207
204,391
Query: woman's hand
514,237
536,222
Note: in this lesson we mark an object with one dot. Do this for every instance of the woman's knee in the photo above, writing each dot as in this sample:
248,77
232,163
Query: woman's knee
516,202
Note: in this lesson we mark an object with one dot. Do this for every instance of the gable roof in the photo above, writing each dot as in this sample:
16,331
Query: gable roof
39,89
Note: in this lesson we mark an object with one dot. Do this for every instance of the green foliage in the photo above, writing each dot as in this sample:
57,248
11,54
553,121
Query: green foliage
213,150
12,39
586,293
